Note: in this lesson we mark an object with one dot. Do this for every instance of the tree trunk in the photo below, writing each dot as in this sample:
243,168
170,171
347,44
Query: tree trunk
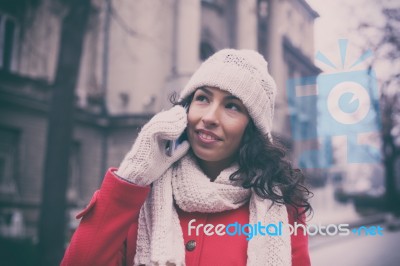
59,135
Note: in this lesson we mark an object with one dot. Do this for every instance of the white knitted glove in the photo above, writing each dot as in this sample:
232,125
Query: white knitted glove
147,160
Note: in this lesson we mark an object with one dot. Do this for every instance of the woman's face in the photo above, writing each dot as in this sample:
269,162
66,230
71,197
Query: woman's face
216,124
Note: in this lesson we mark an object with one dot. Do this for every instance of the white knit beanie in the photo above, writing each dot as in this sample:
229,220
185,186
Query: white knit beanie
243,73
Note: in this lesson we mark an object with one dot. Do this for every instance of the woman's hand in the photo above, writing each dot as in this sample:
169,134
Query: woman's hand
147,160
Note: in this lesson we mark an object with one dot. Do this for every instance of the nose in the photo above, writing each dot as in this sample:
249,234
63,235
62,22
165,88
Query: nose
211,118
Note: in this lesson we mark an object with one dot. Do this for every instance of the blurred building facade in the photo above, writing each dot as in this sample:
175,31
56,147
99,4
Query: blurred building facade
136,53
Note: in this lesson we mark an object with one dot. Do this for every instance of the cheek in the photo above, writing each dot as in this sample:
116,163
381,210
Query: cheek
239,135
236,129
192,118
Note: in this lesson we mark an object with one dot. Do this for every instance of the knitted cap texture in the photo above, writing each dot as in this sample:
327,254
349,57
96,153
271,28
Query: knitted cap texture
243,73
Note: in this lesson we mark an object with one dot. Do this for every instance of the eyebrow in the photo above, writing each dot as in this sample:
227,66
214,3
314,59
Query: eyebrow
206,91
228,97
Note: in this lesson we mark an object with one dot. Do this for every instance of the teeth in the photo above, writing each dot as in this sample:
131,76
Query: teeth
206,136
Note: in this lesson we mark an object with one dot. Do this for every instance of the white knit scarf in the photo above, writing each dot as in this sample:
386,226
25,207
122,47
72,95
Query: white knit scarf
160,238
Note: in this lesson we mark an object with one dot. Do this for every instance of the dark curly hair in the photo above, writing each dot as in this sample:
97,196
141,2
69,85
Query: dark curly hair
263,166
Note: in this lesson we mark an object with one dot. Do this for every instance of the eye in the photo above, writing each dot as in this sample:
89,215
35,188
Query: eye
233,106
201,98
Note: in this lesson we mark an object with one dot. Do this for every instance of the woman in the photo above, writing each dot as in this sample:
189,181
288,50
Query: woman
189,208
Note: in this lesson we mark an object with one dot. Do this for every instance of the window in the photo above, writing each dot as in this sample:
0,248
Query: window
206,50
8,40
263,8
9,142
74,186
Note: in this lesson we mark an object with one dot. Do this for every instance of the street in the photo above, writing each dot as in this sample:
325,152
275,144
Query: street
356,250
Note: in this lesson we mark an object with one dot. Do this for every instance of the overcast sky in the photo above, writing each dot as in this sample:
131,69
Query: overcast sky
339,19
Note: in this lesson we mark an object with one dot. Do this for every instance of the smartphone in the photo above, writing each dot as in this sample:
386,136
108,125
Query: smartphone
172,145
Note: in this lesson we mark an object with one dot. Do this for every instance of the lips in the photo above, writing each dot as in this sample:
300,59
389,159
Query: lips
207,136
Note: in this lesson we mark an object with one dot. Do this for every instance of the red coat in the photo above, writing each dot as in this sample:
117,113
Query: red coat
108,231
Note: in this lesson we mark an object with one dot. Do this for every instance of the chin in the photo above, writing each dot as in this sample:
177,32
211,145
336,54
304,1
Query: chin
210,156
204,155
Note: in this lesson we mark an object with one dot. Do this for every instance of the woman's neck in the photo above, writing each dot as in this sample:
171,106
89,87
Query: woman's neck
213,169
